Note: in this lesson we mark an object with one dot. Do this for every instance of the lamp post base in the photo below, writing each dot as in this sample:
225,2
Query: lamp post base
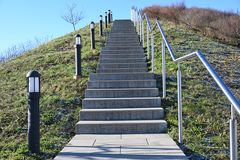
77,77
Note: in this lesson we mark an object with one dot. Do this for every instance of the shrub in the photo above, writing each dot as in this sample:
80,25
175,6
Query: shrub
171,13
224,26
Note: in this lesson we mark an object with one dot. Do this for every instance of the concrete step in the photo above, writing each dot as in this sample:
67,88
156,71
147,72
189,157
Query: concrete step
124,27
114,51
121,76
121,92
121,55
128,33
122,60
122,65
118,42
121,70
123,127
122,114
135,40
130,38
123,47
123,43
123,40
133,102
122,84
123,32
123,36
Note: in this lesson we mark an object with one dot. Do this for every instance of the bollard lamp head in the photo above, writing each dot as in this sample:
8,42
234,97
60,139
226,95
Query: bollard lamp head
92,25
33,81
78,39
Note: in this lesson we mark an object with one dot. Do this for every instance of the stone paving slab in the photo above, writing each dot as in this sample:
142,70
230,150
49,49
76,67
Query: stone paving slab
121,147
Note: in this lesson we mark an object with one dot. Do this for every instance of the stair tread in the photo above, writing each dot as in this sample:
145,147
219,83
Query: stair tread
122,98
121,89
130,80
122,109
123,73
122,122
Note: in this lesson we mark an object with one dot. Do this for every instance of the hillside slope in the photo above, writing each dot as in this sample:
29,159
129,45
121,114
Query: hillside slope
205,109
60,99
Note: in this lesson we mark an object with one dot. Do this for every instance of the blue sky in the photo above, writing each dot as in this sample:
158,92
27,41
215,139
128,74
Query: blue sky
24,20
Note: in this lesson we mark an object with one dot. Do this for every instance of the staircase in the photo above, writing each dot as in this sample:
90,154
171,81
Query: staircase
122,105
122,96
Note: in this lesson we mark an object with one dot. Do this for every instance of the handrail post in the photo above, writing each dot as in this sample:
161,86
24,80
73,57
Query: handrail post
137,23
233,135
134,17
152,52
148,49
143,41
163,70
132,13
140,27
179,87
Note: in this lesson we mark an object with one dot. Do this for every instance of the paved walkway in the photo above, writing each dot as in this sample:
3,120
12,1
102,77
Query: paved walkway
121,147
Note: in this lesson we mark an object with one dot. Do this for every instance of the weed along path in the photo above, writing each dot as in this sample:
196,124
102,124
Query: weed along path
121,116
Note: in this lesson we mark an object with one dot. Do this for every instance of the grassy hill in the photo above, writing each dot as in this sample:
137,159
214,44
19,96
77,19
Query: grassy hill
60,99
205,109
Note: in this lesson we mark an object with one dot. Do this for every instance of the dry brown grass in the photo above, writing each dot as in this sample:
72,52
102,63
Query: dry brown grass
224,26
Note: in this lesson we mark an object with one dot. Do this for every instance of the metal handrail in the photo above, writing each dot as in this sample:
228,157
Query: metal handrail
166,41
148,22
207,65
235,103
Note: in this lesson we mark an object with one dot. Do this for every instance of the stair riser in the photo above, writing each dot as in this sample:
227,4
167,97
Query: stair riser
123,33
105,56
132,76
125,84
118,29
140,60
117,44
123,48
122,65
122,115
121,128
127,36
123,41
121,93
114,51
121,28
124,38
121,103
126,70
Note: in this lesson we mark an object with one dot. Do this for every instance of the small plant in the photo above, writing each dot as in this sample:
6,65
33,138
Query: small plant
72,17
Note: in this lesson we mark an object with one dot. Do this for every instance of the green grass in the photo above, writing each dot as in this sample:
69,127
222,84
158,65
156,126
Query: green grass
61,95
205,108
206,111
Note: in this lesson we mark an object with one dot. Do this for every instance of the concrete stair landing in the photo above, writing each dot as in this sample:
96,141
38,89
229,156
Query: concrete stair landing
121,147
121,116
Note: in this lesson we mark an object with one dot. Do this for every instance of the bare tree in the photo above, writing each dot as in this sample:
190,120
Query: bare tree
71,16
